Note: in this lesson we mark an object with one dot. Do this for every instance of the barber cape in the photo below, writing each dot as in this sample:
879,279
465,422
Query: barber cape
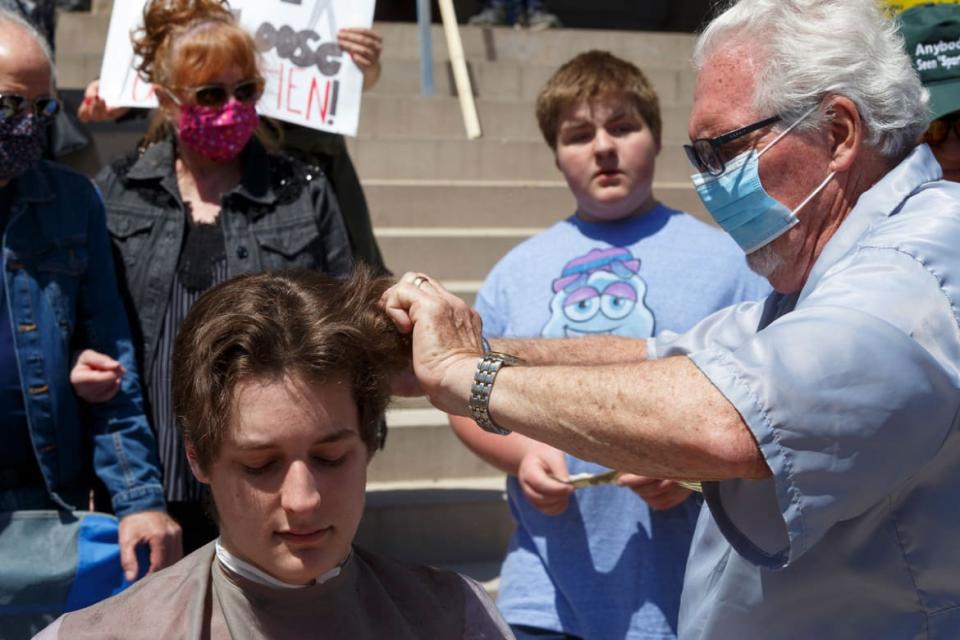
371,598
851,389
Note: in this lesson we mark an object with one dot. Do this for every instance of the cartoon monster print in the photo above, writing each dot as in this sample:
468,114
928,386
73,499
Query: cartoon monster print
600,293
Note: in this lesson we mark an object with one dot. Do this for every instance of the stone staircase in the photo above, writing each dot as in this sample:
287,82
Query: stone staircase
452,207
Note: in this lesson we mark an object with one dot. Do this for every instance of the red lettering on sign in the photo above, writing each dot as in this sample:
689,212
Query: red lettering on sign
141,90
290,87
279,90
315,91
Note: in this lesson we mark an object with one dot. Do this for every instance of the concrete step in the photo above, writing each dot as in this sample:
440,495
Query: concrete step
412,402
484,159
452,522
503,62
399,159
509,80
440,118
551,48
422,447
506,203
75,69
81,32
453,256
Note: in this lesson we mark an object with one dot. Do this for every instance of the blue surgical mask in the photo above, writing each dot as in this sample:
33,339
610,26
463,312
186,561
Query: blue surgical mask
741,206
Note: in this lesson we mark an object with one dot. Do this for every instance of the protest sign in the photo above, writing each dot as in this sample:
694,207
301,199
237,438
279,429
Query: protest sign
309,80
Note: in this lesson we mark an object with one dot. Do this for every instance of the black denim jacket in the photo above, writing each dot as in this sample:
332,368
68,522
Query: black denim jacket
282,214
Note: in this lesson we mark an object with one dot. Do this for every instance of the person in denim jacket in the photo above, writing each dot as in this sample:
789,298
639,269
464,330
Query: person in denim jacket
58,293
203,201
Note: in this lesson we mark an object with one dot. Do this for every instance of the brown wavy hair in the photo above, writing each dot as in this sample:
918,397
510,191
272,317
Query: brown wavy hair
276,324
184,42
595,75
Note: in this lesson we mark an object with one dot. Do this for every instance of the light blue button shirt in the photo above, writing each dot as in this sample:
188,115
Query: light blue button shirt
852,390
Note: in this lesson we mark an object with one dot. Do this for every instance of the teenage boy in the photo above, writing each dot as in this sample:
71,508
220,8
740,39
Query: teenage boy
600,562
280,381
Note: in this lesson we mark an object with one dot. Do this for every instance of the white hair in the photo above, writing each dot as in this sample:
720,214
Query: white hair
10,17
804,50
764,261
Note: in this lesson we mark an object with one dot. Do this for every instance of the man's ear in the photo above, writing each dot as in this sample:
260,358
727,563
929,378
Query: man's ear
846,132
194,465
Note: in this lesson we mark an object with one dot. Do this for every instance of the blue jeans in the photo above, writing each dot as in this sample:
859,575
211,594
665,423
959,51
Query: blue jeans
523,632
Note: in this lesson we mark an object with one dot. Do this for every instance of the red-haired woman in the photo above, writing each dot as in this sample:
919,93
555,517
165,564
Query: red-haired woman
203,200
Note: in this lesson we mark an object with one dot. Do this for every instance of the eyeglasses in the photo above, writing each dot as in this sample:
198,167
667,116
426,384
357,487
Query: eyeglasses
216,95
940,128
704,153
12,105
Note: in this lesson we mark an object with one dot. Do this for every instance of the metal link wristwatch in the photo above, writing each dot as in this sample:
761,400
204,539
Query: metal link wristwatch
486,373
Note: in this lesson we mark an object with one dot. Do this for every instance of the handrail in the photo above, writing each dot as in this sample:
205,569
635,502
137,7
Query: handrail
424,19
461,77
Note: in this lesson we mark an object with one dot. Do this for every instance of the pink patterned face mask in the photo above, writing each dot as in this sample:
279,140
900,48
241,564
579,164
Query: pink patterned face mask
218,133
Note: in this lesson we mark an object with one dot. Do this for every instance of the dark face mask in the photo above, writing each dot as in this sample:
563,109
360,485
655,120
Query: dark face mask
22,140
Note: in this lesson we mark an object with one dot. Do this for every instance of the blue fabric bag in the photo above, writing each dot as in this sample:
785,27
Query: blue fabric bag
52,562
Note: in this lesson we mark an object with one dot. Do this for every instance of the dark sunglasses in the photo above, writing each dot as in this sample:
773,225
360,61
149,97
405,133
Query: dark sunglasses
217,95
12,105
704,154
940,128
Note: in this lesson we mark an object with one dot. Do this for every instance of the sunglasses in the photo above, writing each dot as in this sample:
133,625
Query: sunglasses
217,95
13,105
940,128
705,153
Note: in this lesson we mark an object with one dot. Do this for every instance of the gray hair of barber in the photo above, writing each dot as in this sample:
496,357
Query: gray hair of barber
804,50
10,17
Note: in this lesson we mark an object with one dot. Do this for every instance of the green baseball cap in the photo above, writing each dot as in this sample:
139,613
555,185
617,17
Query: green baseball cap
932,35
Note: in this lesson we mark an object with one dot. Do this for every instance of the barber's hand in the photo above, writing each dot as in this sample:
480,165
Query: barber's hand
154,528
96,377
94,109
659,494
539,476
446,338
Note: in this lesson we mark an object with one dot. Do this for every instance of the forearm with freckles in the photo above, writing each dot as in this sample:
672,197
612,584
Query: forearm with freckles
661,418
589,350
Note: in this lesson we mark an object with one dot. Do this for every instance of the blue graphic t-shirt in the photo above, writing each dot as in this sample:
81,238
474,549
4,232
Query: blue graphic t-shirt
608,567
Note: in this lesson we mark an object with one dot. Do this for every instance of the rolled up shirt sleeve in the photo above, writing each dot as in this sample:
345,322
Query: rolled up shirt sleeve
727,328
847,396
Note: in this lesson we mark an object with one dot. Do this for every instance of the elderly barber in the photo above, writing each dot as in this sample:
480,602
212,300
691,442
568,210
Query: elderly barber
822,420
58,293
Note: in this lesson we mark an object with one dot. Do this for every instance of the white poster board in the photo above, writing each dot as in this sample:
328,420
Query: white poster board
310,81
